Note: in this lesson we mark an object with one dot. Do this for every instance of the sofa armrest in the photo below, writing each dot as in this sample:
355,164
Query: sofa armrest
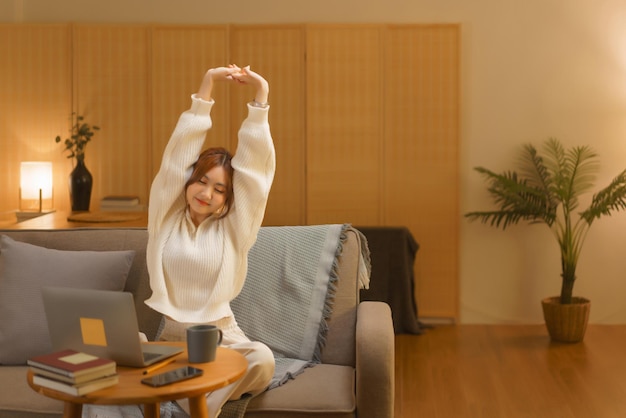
375,357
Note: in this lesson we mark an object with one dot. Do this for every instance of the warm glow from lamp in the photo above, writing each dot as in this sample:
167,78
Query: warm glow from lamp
35,185
35,176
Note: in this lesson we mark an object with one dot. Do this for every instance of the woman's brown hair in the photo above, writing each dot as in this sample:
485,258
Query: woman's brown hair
209,159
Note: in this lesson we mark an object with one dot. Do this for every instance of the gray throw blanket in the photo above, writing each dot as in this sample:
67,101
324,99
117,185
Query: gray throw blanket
287,296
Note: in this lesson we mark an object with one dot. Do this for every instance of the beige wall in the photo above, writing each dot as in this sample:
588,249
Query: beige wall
529,70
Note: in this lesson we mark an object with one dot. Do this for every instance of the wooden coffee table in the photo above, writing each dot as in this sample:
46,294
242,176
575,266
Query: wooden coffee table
228,367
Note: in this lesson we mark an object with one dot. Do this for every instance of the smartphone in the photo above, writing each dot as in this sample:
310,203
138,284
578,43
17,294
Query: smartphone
172,376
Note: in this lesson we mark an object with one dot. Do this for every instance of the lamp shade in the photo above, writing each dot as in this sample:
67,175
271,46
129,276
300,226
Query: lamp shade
36,176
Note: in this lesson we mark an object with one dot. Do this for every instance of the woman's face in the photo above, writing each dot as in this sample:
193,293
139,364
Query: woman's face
208,195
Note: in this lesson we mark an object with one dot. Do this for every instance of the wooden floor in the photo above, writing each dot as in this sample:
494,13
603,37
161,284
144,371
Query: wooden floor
505,371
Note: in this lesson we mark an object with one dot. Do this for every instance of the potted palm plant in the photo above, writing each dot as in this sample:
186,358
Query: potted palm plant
546,190
81,181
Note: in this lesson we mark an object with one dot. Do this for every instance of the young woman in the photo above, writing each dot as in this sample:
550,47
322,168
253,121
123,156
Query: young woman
205,211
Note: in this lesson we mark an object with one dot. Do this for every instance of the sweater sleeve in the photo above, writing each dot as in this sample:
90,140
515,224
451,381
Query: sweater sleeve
180,154
254,166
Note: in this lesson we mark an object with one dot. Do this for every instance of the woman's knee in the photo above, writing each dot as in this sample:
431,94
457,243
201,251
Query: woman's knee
261,359
261,353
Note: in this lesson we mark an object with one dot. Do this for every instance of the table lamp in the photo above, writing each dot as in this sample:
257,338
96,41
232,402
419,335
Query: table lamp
35,189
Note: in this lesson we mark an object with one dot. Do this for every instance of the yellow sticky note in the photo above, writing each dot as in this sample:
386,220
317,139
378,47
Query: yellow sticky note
92,330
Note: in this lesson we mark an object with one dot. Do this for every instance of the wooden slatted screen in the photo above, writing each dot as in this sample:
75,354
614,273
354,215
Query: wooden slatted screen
277,52
421,155
180,57
112,90
344,124
35,86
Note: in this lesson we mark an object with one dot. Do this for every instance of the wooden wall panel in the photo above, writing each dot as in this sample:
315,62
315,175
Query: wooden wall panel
421,155
35,97
277,52
180,57
344,124
112,90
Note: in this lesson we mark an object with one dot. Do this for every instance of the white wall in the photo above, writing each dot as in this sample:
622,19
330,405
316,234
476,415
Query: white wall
531,70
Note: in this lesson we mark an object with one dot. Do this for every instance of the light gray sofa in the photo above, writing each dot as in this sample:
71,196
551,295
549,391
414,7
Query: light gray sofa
355,378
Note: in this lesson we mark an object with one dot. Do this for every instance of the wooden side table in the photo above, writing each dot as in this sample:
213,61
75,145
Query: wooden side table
228,367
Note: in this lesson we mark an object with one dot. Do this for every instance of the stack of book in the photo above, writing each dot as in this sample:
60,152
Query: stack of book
73,372
120,204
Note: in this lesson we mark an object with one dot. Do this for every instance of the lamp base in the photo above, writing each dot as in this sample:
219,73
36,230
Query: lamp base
30,214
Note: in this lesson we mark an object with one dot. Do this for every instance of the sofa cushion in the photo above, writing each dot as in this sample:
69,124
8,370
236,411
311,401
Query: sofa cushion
16,396
324,390
25,268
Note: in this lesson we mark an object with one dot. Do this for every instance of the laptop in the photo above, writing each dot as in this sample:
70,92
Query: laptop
102,323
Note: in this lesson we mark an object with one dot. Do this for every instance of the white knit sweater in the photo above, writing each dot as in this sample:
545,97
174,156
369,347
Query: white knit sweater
196,272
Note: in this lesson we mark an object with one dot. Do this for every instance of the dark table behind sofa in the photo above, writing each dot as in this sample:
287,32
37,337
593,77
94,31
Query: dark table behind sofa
393,251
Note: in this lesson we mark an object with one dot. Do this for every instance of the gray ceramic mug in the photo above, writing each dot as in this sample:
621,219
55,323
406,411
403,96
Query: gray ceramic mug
202,342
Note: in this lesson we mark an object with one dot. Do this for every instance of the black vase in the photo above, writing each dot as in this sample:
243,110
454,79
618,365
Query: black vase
81,183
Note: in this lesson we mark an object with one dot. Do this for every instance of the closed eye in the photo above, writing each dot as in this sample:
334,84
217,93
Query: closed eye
218,187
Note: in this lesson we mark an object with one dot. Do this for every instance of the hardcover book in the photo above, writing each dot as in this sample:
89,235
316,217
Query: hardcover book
73,380
76,389
72,363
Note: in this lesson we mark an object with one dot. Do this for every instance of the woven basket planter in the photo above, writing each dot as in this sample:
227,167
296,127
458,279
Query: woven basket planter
566,323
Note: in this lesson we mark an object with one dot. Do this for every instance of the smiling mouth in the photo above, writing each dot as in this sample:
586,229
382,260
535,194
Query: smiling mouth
202,202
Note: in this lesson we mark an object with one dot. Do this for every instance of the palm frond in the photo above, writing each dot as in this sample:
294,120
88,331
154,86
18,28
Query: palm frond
516,200
611,198
574,171
533,168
